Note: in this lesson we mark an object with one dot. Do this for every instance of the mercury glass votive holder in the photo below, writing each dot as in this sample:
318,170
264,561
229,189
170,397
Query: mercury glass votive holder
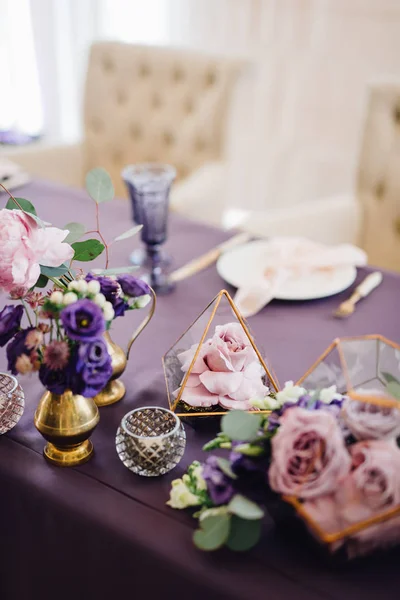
12,402
150,441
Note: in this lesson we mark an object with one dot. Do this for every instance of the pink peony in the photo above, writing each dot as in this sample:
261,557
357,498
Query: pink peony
24,246
226,372
371,488
309,457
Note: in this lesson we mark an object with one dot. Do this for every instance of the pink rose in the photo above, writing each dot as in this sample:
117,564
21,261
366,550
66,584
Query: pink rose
24,246
368,421
371,488
309,457
226,372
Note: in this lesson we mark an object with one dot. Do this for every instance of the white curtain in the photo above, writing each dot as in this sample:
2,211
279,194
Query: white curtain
298,114
20,103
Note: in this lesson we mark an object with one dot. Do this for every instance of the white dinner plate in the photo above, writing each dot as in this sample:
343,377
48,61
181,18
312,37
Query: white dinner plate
242,265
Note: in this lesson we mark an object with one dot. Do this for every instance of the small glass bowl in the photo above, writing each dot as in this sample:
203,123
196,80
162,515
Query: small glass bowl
12,402
150,441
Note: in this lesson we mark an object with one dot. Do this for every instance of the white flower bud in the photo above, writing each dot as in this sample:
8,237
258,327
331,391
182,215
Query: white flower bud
73,286
93,287
142,301
82,286
99,299
57,298
108,311
69,298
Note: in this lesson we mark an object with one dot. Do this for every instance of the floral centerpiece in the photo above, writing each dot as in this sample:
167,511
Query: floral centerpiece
63,339
333,459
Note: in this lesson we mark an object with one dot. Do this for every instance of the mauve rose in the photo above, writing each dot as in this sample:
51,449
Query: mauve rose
24,246
371,488
309,457
10,321
368,421
226,371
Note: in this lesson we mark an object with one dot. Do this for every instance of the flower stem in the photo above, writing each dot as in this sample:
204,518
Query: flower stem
26,311
12,197
58,283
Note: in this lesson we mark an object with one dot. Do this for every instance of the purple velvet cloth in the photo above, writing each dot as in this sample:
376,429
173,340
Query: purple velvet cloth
99,531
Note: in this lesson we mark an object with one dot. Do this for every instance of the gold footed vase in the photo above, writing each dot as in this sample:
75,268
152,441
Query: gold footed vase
66,421
115,389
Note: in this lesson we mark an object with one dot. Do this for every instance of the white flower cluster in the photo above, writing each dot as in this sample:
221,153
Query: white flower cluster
181,496
85,289
291,393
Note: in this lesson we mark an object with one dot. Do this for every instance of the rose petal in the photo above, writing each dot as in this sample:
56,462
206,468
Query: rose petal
199,396
186,358
222,384
234,404
217,358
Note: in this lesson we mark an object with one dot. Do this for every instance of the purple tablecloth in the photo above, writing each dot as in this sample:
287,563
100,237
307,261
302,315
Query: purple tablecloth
99,531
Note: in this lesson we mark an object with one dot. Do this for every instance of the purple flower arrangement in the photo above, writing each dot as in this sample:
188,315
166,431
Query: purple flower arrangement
333,458
66,345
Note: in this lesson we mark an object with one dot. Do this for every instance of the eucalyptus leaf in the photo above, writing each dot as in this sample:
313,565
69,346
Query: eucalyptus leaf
225,467
240,426
76,231
114,271
99,185
393,387
127,234
42,281
26,206
214,532
388,377
244,508
53,271
243,534
87,250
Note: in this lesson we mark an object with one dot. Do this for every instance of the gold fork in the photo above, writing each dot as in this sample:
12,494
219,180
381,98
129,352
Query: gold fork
370,283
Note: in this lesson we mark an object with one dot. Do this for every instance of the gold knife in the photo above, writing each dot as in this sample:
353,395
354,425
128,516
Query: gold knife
205,260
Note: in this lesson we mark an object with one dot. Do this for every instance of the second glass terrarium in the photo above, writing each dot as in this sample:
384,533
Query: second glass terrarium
215,366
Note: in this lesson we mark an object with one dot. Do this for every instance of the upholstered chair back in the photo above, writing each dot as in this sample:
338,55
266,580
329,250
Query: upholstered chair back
379,177
145,104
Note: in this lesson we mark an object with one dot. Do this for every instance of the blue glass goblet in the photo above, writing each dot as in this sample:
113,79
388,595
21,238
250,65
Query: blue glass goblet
139,257
149,186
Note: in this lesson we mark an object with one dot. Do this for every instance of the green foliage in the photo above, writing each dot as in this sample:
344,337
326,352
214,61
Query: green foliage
393,387
129,233
41,282
226,468
244,508
389,378
243,534
241,426
87,250
26,206
213,532
99,185
53,271
114,271
250,449
76,230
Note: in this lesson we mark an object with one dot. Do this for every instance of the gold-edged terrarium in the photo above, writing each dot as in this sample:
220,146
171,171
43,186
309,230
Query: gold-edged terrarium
215,365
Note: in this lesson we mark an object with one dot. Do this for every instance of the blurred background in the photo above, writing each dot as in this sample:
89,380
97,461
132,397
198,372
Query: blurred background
281,116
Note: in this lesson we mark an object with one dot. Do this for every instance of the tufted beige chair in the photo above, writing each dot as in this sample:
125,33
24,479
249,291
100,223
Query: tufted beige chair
379,177
145,104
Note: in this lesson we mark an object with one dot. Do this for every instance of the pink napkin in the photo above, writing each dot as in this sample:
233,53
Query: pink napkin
293,257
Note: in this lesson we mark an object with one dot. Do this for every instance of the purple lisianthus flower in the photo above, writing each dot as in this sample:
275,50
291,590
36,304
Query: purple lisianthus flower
83,320
120,307
16,348
219,485
56,381
10,321
92,368
133,287
108,287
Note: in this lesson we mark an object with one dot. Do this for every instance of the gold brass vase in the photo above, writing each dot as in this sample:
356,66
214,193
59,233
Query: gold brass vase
66,421
115,389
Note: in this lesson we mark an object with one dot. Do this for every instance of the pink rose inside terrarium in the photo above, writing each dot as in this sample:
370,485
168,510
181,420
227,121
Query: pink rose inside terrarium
215,366
340,467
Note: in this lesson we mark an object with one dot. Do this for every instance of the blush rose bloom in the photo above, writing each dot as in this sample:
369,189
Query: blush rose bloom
309,457
226,372
24,246
371,488
368,421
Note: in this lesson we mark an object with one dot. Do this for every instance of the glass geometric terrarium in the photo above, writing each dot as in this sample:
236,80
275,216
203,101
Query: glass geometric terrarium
363,368
215,365
363,513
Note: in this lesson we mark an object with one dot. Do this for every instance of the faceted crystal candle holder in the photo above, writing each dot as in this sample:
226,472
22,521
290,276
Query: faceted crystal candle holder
150,441
12,402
